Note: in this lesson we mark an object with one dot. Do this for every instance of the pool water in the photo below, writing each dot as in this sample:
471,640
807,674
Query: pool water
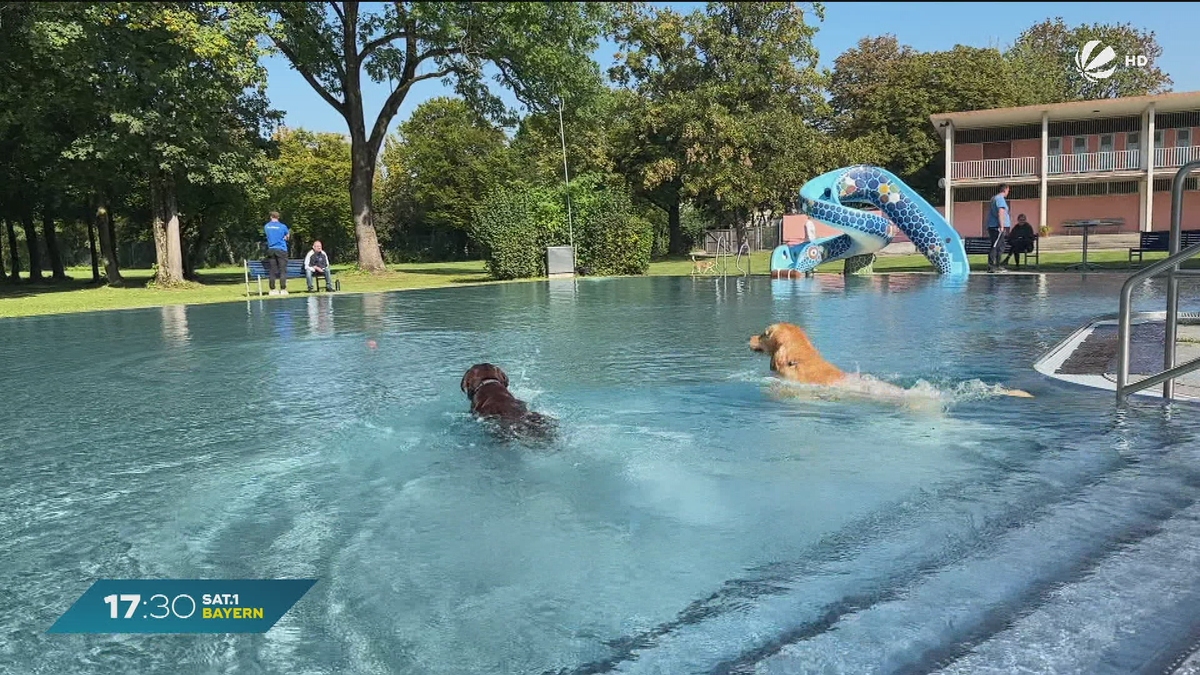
689,519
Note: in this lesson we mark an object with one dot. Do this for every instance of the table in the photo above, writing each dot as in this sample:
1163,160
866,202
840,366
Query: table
1086,226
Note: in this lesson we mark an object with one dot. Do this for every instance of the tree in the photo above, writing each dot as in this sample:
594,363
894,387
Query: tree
446,159
723,107
860,76
181,97
306,184
1042,62
540,49
890,110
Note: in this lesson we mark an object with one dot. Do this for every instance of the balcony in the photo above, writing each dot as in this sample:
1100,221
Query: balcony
1175,157
1011,167
1088,162
1084,162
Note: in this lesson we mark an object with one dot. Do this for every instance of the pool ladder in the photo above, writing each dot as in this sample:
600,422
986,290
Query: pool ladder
1170,265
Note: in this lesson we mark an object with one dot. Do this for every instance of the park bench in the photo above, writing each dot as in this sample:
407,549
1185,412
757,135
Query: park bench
1161,241
257,270
983,245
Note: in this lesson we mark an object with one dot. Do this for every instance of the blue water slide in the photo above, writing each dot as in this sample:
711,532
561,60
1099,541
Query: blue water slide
828,197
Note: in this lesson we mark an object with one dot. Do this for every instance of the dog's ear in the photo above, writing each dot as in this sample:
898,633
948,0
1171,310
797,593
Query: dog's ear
463,385
503,377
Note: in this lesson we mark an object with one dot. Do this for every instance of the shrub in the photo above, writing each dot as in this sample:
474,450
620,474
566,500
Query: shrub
612,238
506,226
514,225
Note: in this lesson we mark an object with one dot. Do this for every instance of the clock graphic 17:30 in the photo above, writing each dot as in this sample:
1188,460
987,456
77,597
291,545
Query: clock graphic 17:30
168,606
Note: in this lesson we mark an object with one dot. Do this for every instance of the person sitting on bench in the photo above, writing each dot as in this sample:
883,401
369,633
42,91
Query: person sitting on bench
1019,241
317,262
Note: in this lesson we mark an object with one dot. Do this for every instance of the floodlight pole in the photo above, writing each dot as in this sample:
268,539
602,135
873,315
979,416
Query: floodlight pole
567,182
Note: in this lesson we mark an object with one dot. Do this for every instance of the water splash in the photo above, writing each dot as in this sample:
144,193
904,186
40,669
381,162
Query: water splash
921,396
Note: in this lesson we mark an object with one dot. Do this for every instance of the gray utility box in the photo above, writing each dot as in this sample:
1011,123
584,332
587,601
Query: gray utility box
560,261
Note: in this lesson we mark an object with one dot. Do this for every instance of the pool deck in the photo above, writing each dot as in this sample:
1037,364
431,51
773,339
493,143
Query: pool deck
1054,243
1089,356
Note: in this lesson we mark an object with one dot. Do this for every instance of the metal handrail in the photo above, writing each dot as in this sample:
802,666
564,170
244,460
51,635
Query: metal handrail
1171,265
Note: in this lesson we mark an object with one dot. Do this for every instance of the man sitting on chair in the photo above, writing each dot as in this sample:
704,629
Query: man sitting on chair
1020,241
317,262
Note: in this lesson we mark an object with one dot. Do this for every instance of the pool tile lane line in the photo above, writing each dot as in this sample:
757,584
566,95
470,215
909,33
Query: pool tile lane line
754,609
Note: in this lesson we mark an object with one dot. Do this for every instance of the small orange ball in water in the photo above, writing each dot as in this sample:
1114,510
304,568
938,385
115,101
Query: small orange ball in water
372,344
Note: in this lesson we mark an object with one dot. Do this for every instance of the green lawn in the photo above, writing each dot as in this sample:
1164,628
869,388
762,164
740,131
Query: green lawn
222,284
225,284
1116,261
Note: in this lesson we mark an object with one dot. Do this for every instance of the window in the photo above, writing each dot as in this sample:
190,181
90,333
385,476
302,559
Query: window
1106,143
1183,138
1054,147
1079,145
1133,141
1158,138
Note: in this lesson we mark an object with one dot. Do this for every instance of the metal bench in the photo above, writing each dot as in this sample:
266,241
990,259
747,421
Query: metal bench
983,246
1161,241
257,270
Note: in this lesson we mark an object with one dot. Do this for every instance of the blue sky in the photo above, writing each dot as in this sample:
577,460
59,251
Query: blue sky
925,26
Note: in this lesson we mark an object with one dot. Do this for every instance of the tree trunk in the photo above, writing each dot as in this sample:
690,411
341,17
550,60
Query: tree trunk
168,253
91,223
108,245
12,251
676,243
196,251
228,248
112,235
35,255
56,261
362,178
3,276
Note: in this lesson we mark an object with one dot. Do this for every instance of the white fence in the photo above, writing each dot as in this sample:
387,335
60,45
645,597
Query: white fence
1082,162
995,168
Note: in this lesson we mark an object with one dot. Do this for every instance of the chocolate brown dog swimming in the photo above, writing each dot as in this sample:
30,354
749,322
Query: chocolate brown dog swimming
486,386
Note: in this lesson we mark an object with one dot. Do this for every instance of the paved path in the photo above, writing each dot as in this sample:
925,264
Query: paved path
1055,243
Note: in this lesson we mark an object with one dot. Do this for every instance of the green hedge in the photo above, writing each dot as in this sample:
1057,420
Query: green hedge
515,224
507,227
612,238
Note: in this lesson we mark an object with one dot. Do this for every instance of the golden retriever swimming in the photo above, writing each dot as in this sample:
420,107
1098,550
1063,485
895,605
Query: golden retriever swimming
794,358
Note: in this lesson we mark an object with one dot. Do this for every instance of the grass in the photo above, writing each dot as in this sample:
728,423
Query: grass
221,284
226,284
1113,261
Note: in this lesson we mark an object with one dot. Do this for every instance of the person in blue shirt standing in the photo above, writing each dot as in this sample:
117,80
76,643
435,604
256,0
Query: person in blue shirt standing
997,227
278,235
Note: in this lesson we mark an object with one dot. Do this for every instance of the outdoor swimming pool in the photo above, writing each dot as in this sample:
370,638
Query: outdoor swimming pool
686,521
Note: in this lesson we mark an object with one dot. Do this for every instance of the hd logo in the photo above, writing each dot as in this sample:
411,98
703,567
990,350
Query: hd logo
1093,68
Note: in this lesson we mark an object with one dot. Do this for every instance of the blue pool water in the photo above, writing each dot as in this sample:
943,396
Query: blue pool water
687,521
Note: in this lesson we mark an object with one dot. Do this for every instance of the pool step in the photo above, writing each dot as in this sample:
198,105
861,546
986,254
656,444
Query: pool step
1088,357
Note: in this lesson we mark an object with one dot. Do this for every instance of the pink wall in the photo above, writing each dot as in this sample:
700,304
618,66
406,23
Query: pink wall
1027,147
793,230
1059,209
969,217
1191,210
964,152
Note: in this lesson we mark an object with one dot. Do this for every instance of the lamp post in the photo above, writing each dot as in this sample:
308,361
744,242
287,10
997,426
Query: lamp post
566,182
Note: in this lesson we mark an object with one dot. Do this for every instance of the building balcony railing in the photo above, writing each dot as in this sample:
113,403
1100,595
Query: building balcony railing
1084,162
1087,162
1175,157
994,168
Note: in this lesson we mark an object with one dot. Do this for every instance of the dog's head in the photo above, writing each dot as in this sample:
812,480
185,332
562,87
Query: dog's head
479,375
792,354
